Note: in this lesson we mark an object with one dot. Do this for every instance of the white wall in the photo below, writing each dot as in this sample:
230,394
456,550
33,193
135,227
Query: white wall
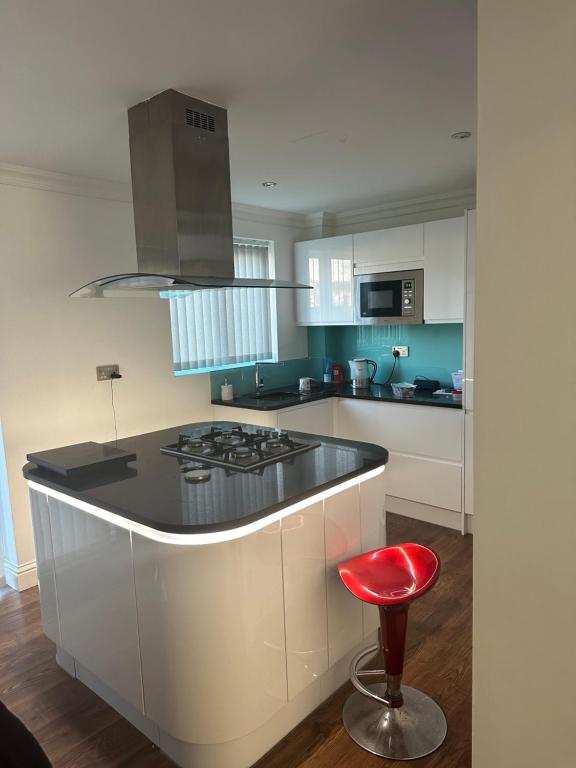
525,469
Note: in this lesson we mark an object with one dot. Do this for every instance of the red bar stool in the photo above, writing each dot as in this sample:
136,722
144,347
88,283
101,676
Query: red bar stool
390,719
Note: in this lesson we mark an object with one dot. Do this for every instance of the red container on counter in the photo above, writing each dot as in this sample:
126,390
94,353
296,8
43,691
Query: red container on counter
338,373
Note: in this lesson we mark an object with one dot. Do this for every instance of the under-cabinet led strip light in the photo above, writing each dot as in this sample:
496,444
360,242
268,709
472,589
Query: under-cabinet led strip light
196,539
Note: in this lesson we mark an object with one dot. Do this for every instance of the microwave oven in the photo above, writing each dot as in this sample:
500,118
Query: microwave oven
391,298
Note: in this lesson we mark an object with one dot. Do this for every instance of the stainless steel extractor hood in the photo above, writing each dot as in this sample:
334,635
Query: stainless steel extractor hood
182,207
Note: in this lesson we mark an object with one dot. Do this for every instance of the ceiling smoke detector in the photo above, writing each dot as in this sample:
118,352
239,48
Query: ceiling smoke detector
461,135
269,184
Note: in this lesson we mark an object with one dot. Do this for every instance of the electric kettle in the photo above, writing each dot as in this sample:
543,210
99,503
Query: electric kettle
359,372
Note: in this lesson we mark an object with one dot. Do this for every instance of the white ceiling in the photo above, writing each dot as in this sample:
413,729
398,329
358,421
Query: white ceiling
344,103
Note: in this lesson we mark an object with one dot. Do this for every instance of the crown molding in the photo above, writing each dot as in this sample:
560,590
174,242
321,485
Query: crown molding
253,213
52,181
317,224
424,207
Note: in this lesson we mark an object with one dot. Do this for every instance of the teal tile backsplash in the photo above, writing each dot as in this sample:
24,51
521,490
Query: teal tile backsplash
435,351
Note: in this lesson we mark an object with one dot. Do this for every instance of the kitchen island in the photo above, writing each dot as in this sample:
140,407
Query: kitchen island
201,600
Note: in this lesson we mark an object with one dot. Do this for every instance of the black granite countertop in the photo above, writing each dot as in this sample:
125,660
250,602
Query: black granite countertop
152,489
288,397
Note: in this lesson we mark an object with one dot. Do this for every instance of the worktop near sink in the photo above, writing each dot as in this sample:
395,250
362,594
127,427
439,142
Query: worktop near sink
288,397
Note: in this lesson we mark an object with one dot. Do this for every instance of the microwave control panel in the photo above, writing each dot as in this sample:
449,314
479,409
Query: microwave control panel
408,289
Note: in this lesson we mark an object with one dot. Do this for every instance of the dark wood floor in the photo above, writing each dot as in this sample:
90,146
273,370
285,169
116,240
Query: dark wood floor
77,730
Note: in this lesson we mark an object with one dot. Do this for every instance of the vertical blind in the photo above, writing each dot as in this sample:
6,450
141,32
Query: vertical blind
225,326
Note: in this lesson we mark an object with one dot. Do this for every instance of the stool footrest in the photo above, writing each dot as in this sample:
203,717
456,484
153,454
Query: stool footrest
355,674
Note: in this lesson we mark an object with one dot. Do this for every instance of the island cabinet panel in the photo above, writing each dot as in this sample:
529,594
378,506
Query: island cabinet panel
212,638
343,540
304,569
96,600
45,565
373,533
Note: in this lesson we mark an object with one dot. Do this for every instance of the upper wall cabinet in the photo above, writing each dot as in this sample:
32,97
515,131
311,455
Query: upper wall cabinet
389,250
327,265
444,270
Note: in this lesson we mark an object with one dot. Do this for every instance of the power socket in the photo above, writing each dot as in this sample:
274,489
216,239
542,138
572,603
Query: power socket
105,372
402,351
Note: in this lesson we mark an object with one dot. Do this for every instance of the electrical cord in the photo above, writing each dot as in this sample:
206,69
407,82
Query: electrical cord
396,355
114,376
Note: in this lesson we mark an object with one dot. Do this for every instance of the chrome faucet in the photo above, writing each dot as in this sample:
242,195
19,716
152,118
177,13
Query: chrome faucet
259,379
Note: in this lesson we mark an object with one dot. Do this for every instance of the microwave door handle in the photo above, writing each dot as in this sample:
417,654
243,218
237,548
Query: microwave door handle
375,365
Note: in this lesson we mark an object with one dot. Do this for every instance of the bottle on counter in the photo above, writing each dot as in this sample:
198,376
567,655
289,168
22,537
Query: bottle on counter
327,377
338,373
226,391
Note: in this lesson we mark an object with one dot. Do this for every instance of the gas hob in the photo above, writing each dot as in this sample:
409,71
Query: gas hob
242,448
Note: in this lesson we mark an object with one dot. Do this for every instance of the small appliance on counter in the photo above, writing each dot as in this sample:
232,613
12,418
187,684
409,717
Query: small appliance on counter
423,384
361,379
307,384
75,460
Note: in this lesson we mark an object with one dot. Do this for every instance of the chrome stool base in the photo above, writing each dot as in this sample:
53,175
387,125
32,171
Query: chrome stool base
413,730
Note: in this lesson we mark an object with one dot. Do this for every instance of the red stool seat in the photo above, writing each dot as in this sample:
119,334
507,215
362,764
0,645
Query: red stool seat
391,575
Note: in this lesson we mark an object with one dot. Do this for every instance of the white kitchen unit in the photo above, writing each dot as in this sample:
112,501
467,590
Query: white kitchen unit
316,418
468,395
215,645
389,250
437,247
327,265
444,270
424,472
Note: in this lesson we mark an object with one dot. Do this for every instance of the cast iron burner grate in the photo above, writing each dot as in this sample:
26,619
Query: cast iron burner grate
238,448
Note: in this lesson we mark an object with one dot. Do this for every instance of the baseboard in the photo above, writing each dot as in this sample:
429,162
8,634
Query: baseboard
448,518
21,577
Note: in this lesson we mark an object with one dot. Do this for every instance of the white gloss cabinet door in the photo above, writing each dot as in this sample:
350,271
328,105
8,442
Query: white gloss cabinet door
388,250
212,636
45,565
444,270
343,540
305,597
327,265
310,304
96,599
421,430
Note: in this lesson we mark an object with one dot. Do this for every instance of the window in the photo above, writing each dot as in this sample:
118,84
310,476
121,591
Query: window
227,327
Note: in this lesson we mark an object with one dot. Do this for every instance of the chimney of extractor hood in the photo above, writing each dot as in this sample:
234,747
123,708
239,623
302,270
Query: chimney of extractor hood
181,186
